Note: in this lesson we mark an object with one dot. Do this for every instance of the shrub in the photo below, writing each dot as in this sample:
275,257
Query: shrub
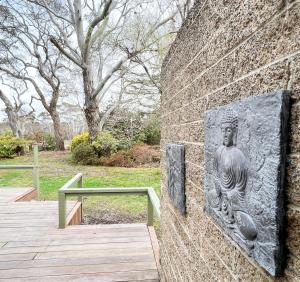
139,137
136,156
46,141
49,143
37,136
87,151
105,144
10,145
151,131
124,124
85,154
124,144
122,158
79,139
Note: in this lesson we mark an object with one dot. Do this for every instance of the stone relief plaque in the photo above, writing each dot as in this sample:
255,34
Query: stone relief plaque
245,147
176,175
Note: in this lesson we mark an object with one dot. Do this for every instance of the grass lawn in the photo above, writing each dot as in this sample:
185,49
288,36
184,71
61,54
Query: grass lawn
56,169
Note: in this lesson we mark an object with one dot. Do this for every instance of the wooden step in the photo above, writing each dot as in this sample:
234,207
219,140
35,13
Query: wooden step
32,248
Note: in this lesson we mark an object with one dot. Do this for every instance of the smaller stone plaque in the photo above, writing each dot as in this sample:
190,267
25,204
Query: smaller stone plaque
176,175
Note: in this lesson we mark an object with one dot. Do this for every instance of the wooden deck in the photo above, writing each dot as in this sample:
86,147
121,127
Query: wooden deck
32,248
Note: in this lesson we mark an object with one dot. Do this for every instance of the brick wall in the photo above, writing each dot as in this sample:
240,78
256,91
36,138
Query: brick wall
226,51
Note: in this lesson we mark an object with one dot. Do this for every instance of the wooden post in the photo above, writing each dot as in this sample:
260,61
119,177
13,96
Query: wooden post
35,172
150,212
80,197
155,201
61,209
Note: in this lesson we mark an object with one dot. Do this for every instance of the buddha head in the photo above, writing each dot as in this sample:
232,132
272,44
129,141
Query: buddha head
229,127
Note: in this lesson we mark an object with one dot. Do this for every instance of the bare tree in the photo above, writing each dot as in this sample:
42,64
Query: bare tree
19,111
13,102
98,37
12,112
27,55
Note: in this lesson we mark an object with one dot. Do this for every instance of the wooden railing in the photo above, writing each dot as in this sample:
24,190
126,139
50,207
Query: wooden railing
67,190
34,167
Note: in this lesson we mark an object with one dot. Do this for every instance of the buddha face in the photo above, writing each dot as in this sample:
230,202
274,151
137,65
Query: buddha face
228,132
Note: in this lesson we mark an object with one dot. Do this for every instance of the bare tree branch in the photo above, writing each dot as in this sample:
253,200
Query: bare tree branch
62,50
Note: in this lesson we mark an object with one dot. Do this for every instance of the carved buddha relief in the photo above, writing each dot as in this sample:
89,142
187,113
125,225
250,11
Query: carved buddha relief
230,170
245,153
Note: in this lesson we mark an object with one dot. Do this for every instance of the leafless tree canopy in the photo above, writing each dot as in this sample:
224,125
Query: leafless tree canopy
106,53
28,55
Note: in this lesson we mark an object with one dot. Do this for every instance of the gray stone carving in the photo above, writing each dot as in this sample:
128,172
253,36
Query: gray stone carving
245,148
176,175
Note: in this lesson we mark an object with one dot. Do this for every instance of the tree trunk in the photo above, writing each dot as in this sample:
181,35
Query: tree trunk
92,116
12,115
91,108
59,140
13,121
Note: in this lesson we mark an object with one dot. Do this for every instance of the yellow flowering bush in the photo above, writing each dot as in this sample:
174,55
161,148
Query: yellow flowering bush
79,139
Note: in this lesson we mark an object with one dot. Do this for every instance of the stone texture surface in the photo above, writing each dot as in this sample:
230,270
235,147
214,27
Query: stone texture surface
226,51
245,156
176,175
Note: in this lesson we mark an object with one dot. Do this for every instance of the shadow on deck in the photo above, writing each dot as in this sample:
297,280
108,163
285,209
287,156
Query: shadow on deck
32,248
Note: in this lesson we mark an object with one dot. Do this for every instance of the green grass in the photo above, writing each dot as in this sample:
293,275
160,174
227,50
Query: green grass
56,170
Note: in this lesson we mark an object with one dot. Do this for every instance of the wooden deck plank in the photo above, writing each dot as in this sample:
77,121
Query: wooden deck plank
14,257
94,253
100,231
71,241
25,221
109,226
128,276
32,248
49,230
79,269
30,236
12,230
34,224
75,261
58,248
26,216
155,246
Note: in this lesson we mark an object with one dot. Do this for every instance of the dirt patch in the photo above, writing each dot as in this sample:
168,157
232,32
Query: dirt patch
111,216
137,156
